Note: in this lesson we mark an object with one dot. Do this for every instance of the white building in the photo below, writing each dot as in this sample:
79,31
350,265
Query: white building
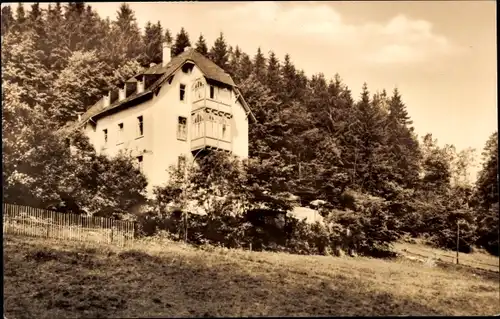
169,113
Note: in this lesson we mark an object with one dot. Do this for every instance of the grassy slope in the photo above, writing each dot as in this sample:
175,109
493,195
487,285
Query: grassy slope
46,279
477,259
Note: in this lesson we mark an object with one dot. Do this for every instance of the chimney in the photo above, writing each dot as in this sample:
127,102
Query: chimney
140,84
121,92
106,99
166,53
186,48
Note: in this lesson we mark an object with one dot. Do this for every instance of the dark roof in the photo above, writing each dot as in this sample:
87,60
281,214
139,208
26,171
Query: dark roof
210,70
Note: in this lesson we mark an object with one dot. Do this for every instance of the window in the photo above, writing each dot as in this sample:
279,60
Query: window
212,92
211,126
140,162
225,129
120,133
141,125
198,126
182,128
182,92
105,131
181,162
199,90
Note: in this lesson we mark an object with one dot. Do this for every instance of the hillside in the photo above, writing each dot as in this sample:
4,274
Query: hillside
52,280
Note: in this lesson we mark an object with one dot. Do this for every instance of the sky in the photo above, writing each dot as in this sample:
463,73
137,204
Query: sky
441,55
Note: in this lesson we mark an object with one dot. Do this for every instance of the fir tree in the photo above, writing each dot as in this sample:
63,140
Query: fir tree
403,145
259,66
233,67
55,40
181,42
487,198
219,53
289,80
20,24
371,162
153,36
127,40
168,37
201,46
273,80
487,180
7,19
95,35
245,67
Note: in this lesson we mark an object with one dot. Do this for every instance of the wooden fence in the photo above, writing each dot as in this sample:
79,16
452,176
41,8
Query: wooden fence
36,222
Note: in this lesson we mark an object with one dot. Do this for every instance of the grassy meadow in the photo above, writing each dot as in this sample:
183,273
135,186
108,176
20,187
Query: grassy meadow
46,278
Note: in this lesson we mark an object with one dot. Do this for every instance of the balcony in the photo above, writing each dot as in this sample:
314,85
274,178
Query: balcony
211,129
212,104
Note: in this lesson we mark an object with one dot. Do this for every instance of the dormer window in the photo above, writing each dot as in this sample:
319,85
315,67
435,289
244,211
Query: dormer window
182,92
140,84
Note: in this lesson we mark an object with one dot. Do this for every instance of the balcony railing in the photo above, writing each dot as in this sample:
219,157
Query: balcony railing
213,104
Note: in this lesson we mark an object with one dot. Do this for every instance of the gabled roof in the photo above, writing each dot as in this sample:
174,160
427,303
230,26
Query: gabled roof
208,68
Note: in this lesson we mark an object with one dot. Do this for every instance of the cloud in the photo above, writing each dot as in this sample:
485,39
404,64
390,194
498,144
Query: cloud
399,40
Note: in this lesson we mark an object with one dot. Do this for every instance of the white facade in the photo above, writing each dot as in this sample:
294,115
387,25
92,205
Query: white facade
212,115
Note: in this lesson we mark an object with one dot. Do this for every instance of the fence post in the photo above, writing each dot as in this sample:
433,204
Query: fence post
458,238
112,226
48,227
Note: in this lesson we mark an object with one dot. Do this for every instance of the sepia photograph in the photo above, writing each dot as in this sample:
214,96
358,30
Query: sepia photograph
249,159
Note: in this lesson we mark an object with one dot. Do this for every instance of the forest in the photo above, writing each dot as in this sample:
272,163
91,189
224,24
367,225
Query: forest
313,140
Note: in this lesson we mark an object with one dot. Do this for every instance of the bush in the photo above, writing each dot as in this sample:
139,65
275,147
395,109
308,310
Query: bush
371,227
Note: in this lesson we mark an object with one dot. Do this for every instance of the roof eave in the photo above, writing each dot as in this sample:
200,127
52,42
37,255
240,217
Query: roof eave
245,105
146,95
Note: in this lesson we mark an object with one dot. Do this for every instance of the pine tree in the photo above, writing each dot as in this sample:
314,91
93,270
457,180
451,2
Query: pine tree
259,66
181,42
219,53
403,144
487,198
35,16
201,46
153,38
289,80
20,24
168,37
94,34
273,80
125,35
55,40
7,19
371,166
487,180
73,25
268,143
233,67
245,67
